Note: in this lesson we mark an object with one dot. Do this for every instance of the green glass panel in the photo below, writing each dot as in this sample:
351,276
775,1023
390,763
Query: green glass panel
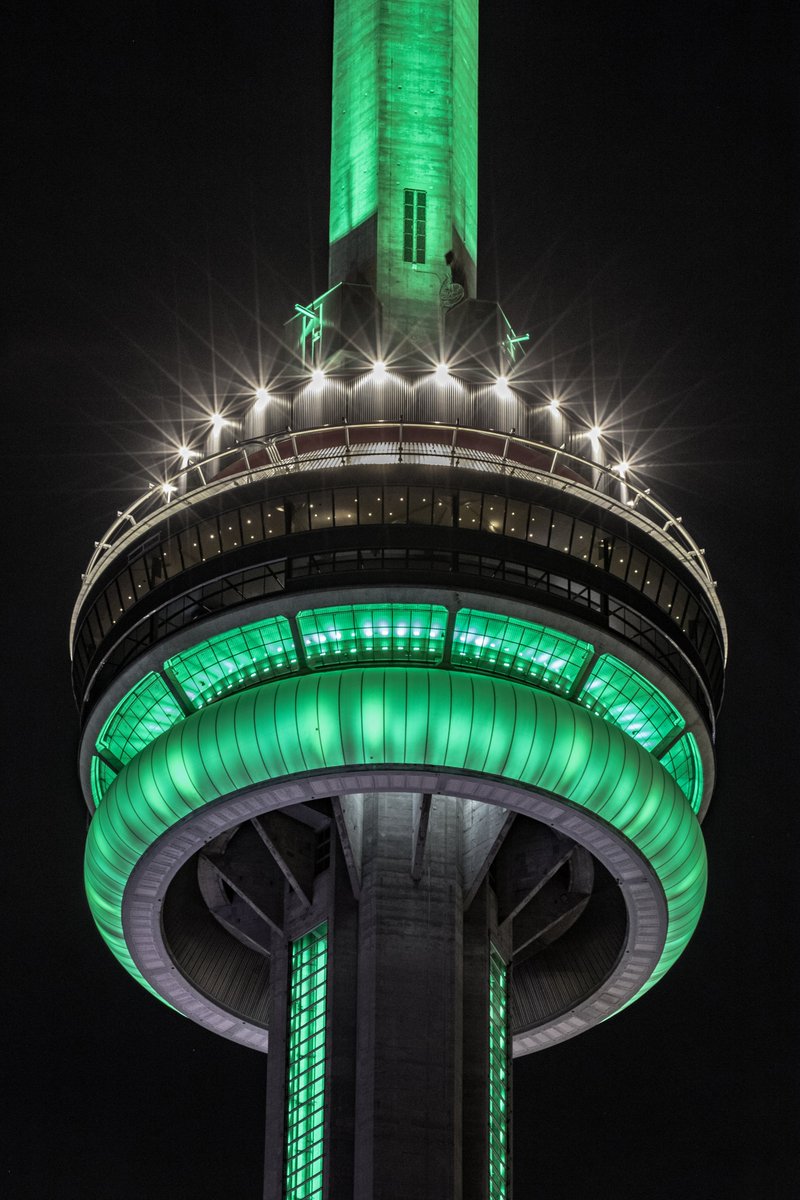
234,660
145,712
617,693
305,1085
507,646
373,633
368,716
685,766
102,776
498,1077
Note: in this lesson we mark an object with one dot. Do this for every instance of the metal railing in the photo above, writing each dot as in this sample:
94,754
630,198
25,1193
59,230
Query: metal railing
200,481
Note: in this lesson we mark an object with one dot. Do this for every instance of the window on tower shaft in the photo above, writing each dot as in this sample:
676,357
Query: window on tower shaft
414,213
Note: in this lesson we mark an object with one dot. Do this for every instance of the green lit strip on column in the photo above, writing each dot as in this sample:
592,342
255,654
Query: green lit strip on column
686,768
373,716
145,712
234,660
619,694
507,646
371,633
498,1078
305,1092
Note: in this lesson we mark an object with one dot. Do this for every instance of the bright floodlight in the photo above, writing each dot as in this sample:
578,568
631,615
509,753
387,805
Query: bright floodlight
218,422
622,468
379,371
318,377
502,388
168,489
553,404
442,374
595,434
262,397
185,455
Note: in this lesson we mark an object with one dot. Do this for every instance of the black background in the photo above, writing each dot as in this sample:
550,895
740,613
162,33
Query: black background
635,182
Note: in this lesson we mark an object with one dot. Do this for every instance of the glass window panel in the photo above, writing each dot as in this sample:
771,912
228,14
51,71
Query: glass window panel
442,507
208,536
101,778
617,693
560,532
522,649
252,523
171,557
494,514
420,505
652,579
148,710
619,558
373,633
690,616
190,546
370,505
517,519
469,510
679,603
274,518
600,554
298,514
581,543
230,530
345,506
139,577
636,569
539,525
320,507
667,592
230,661
685,766
395,506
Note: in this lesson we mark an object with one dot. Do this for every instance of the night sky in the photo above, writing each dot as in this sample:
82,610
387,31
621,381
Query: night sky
169,163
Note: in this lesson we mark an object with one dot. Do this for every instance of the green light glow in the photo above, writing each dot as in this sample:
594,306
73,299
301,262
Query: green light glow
101,776
498,1078
685,766
145,712
507,646
371,632
621,695
234,660
405,120
373,716
305,1112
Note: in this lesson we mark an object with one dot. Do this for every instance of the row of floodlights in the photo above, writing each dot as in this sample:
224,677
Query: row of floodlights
380,373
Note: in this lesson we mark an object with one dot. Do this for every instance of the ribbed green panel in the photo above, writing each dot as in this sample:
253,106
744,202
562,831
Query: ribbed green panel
102,777
507,646
498,1078
305,1091
234,660
373,633
685,766
145,712
618,693
398,715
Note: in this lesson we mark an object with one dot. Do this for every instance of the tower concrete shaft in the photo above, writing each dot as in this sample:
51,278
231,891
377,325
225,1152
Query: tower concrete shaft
404,156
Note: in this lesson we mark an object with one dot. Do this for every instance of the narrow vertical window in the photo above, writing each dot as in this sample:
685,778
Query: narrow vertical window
498,1078
414,212
305,1092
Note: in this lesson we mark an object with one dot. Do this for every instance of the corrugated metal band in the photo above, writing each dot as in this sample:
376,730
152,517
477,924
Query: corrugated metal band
369,717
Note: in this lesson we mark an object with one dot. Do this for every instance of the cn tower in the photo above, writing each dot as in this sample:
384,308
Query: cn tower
398,698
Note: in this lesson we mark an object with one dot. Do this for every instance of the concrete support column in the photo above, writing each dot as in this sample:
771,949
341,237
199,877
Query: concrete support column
408,1084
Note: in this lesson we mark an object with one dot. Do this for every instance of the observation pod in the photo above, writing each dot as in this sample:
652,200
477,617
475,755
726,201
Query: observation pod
397,712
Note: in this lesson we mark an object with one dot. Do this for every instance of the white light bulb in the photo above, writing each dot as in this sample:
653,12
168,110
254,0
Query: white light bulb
379,371
502,388
318,377
441,374
262,397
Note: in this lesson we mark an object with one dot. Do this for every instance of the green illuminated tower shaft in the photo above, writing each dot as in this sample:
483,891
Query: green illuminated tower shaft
404,153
